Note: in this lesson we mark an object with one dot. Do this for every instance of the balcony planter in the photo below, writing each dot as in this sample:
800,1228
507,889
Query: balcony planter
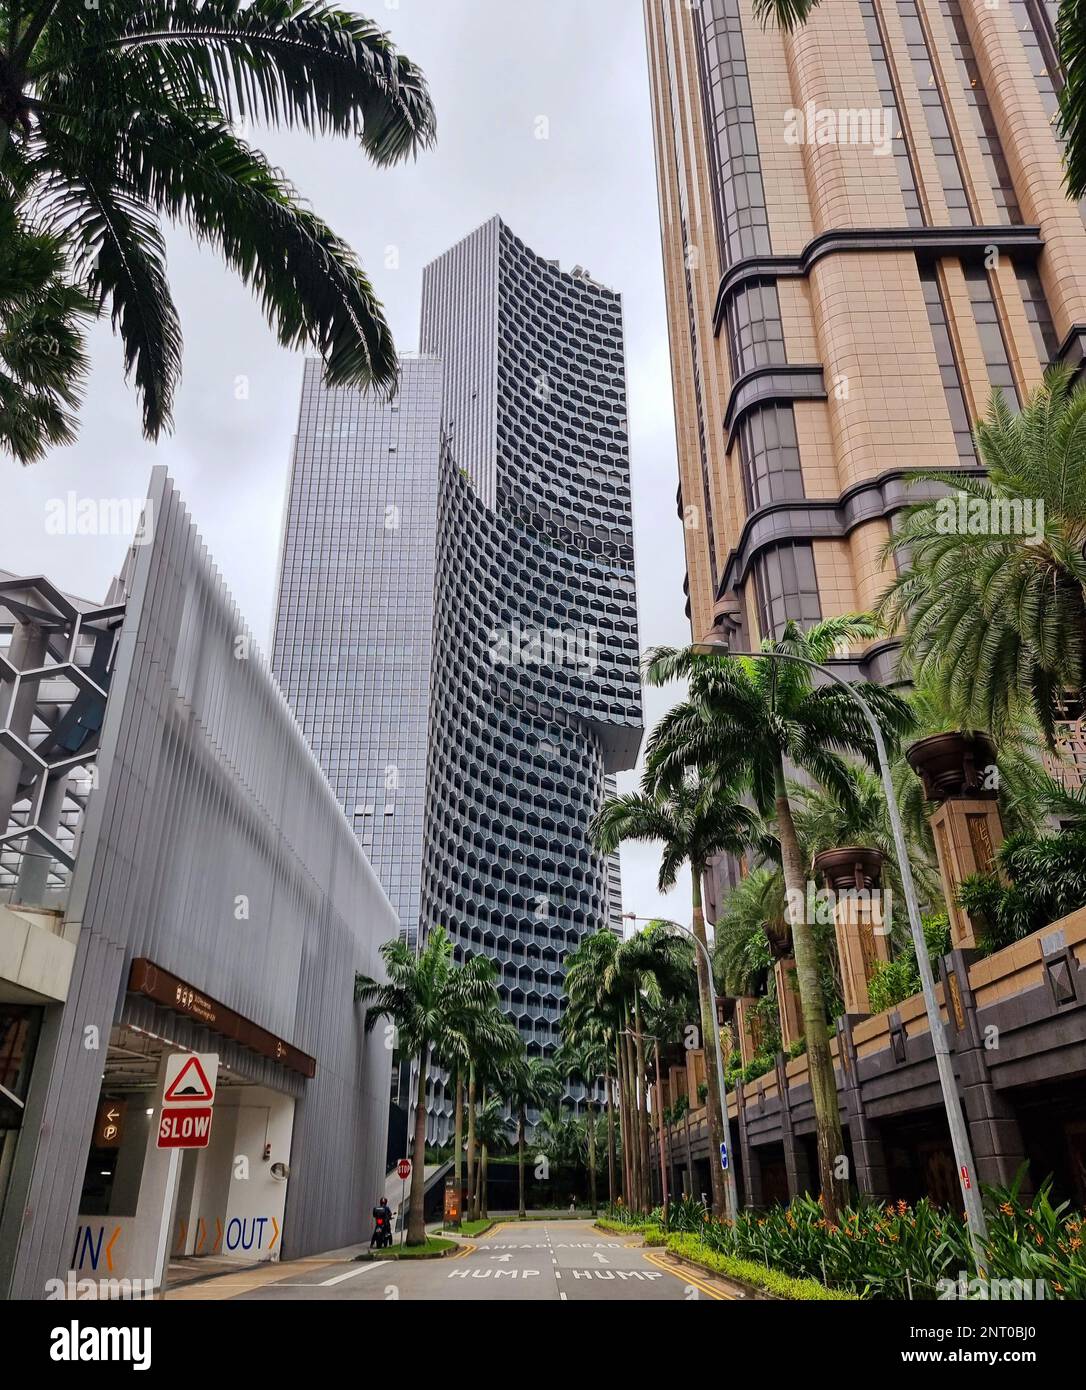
952,765
779,935
854,866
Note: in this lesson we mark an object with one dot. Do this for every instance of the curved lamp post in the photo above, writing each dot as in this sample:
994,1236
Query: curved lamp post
718,645
729,1172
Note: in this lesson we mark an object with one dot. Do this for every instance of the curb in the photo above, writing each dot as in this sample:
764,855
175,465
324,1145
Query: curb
379,1255
741,1291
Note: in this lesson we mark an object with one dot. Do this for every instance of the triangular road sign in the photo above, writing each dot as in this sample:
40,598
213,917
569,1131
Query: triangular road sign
191,1081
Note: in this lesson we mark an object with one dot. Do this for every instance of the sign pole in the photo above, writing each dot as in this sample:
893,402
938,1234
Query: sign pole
403,1197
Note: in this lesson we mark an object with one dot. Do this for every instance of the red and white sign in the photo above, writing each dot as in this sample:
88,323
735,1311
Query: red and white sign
403,1169
190,1078
188,1094
187,1128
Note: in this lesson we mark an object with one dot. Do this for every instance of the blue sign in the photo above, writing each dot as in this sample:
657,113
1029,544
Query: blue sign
724,1157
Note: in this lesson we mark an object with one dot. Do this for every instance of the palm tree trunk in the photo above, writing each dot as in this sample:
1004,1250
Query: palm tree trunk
632,1122
477,1203
707,999
819,1062
458,1143
416,1218
28,38
592,1158
523,1118
610,1138
627,1185
689,1154
642,1103
471,1139
482,1186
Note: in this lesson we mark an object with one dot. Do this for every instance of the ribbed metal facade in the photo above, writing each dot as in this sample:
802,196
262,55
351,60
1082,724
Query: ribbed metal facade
215,846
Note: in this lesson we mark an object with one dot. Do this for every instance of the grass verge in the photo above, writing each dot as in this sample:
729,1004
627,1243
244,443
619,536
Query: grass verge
762,1278
750,1272
474,1228
433,1249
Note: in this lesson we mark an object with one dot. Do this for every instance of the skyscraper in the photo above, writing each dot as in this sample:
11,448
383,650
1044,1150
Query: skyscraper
864,232
536,694
505,459
352,632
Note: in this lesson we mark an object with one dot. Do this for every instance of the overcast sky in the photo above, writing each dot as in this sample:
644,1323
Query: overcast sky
585,195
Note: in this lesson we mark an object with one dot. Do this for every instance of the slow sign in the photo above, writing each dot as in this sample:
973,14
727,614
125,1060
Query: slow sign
188,1094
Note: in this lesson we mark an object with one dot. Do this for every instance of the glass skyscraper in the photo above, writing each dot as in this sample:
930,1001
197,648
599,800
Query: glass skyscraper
457,614
356,585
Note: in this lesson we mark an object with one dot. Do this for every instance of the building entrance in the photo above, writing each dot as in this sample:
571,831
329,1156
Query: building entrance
151,1216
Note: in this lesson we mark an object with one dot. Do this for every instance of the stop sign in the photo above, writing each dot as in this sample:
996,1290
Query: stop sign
403,1169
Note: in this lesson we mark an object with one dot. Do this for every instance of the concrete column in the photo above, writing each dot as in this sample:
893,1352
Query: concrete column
998,1148
748,1028
868,1154
788,1003
795,1153
34,869
862,942
968,831
26,652
752,1170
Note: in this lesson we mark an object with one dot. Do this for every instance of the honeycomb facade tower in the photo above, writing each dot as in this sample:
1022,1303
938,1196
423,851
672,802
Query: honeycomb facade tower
535,697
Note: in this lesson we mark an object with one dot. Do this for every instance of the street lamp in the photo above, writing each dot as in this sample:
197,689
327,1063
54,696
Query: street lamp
729,1172
718,644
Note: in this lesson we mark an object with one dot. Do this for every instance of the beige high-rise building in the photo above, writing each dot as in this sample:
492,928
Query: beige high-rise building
864,232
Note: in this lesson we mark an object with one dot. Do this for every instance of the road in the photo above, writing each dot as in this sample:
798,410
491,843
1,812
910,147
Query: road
527,1261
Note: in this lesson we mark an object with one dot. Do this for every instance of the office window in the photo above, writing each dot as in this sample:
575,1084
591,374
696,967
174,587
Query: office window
786,588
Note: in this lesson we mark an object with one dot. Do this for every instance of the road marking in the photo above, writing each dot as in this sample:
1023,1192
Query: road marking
687,1277
352,1273
468,1249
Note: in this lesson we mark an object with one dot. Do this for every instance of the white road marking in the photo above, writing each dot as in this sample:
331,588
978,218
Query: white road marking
352,1273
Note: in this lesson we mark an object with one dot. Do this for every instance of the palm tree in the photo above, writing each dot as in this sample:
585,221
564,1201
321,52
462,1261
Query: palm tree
496,1049
654,968
751,719
695,818
43,363
587,1059
533,1083
752,927
114,116
593,1010
996,616
471,1026
826,819
491,1129
420,995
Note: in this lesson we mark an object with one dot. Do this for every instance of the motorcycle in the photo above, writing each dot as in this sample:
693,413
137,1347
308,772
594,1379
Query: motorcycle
382,1231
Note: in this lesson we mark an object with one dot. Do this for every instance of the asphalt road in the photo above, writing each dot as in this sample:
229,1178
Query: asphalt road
526,1261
